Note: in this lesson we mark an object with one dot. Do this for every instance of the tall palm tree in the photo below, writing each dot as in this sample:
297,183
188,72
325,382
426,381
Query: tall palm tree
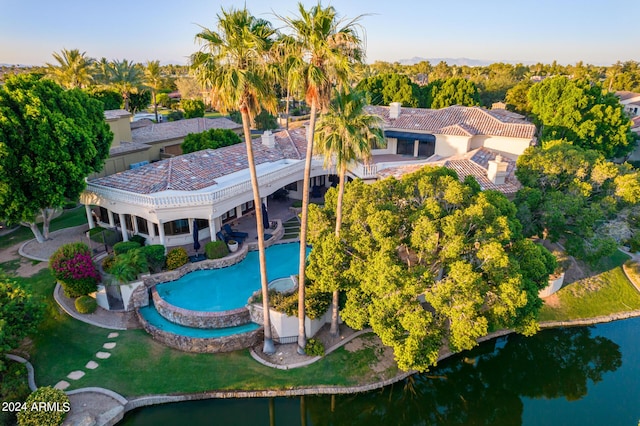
346,133
102,71
330,46
73,69
232,63
153,80
126,77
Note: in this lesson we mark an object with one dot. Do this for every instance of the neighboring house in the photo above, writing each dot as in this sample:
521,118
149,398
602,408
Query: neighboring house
162,200
630,101
143,141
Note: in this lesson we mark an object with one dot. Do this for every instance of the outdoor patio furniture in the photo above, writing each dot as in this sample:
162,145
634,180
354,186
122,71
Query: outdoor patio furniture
222,237
233,233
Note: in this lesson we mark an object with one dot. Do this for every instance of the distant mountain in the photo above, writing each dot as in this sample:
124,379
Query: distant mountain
457,61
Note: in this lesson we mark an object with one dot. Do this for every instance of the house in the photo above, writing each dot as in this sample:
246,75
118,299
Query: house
143,141
630,101
162,200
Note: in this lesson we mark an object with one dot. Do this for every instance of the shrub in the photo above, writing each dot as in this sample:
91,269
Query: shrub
192,108
265,121
108,262
13,387
128,265
175,116
634,242
297,204
314,347
45,395
86,304
72,266
216,249
125,246
155,256
176,258
139,239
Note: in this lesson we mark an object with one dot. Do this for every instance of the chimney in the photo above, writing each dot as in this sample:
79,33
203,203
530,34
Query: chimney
268,139
497,170
394,110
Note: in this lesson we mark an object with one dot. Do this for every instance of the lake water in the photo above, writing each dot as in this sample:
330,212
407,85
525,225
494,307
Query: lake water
572,376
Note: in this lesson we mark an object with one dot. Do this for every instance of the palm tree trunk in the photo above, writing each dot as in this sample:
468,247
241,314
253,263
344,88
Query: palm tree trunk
334,331
302,338
155,105
268,347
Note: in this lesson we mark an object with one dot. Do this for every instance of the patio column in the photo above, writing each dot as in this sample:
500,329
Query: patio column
92,223
264,200
123,227
151,228
112,222
161,232
212,228
134,221
416,145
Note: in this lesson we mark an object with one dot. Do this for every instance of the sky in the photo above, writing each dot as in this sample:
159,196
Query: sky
596,32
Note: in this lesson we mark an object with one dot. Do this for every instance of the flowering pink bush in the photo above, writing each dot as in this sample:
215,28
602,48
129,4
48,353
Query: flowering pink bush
72,265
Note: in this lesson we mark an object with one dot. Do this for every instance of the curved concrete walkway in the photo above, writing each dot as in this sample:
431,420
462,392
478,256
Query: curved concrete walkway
34,250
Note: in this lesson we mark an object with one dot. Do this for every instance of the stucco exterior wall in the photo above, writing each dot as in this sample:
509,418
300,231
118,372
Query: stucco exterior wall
447,146
121,128
508,147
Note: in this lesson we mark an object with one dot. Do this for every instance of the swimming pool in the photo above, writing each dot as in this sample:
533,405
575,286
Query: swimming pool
229,288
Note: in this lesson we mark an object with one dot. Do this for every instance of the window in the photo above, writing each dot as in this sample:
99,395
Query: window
247,207
229,216
202,223
177,227
142,225
103,214
405,147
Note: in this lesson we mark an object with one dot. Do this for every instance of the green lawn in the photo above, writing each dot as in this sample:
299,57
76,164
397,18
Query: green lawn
291,228
67,219
606,293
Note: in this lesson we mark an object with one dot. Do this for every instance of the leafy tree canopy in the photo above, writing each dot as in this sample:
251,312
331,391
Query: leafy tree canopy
211,139
50,140
569,193
428,260
192,108
453,91
19,316
383,89
582,113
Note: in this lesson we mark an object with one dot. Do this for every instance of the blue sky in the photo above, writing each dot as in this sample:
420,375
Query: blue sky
597,32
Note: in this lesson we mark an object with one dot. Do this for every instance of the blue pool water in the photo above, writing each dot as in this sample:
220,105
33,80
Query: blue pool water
154,318
229,288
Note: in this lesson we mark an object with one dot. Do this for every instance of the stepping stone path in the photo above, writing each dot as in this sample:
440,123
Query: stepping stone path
62,385
91,365
75,375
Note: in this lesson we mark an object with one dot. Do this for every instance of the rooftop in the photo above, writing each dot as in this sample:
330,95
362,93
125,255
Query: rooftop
156,132
458,120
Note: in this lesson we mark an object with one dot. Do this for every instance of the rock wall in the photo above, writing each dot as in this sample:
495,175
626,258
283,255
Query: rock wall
199,319
203,345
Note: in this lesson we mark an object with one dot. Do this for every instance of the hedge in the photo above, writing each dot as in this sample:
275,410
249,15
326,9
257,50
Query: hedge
125,246
155,256
86,304
53,417
216,249
176,258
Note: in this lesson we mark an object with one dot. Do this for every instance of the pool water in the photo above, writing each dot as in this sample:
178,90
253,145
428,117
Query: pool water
229,288
155,319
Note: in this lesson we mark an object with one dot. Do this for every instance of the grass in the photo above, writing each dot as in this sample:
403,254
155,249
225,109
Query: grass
603,294
67,219
291,228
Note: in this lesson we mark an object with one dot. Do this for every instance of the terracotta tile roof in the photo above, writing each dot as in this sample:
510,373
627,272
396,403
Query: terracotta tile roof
472,163
114,114
624,95
292,143
458,120
189,172
127,147
157,132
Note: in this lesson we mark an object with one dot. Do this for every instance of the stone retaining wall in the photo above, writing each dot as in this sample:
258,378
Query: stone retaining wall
199,319
230,343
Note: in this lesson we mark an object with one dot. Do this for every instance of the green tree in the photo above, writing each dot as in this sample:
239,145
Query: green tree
569,193
139,101
20,314
382,89
73,69
346,133
330,46
192,108
428,260
154,80
232,64
51,139
518,97
39,417
110,99
581,113
126,77
210,139
453,91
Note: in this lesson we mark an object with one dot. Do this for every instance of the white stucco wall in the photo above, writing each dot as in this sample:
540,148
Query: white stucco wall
508,147
447,146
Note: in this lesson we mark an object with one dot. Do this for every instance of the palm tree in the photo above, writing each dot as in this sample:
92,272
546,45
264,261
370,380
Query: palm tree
153,80
232,64
102,71
330,46
126,78
346,133
73,69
